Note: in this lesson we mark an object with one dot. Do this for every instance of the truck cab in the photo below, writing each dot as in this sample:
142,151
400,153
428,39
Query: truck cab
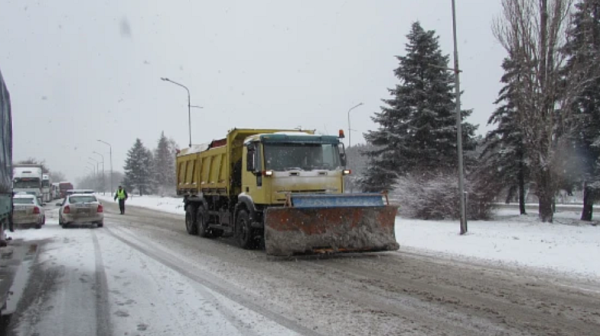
28,180
46,188
277,164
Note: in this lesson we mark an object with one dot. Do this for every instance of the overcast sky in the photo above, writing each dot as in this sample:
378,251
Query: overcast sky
79,71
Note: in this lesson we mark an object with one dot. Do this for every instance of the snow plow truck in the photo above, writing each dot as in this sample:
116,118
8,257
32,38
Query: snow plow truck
281,189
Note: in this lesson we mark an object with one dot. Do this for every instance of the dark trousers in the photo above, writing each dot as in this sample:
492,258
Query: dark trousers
122,206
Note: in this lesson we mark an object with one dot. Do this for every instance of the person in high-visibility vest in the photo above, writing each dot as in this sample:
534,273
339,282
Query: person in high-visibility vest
122,196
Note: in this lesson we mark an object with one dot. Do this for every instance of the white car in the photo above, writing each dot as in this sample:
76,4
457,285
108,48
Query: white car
27,210
80,209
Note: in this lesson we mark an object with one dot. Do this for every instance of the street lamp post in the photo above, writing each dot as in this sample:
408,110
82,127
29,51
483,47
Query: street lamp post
103,175
461,183
97,163
93,168
349,129
111,166
189,105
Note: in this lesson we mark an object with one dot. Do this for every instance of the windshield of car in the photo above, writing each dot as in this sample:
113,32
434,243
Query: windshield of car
82,199
301,156
23,200
26,183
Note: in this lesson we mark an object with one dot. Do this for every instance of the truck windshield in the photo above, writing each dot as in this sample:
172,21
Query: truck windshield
301,156
26,183
45,184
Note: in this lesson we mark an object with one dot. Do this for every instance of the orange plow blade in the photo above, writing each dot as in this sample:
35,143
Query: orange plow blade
290,230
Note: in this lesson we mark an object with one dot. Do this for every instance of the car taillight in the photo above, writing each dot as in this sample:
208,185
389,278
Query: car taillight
100,208
36,210
67,209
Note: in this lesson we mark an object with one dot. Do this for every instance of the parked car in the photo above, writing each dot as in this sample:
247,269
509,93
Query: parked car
80,209
28,211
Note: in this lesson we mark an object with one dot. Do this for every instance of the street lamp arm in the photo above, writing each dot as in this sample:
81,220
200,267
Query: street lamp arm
183,86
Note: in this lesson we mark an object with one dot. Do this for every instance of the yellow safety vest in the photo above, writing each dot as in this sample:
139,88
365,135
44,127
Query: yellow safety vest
121,194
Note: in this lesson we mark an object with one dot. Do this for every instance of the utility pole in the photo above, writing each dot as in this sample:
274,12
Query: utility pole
111,165
461,180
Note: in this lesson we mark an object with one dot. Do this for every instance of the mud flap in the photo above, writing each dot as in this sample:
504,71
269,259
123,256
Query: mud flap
290,230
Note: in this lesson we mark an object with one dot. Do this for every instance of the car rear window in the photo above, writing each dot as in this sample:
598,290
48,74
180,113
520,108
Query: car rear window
82,199
23,200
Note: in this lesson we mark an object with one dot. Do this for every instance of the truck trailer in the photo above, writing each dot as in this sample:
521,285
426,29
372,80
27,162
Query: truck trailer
6,192
281,189
63,187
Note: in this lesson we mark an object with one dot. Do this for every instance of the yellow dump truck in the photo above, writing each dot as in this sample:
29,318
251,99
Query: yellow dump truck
283,189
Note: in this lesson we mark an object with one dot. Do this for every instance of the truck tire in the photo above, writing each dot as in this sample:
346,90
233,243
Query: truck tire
243,230
191,226
202,223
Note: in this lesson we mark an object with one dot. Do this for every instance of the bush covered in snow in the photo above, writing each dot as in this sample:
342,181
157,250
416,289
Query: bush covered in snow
435,196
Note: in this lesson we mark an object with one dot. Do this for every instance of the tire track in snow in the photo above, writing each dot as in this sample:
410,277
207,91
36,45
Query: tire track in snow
216,285
103,323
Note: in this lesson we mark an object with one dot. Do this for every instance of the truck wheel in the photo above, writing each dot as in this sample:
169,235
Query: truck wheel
243,230
190,221
202,224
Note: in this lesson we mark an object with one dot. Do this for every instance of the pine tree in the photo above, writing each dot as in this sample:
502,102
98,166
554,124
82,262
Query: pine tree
504,153
583,47
163,163
138,169
417,127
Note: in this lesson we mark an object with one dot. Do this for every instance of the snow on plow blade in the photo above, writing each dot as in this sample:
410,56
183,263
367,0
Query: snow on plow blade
330,223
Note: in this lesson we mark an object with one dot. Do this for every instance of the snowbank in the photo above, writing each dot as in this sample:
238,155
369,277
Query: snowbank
165,204
566,247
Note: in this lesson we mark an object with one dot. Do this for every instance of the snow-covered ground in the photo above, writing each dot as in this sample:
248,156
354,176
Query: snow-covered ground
165,204
94,284
567,246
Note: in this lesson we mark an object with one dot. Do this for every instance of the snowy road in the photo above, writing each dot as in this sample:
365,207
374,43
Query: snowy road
143,275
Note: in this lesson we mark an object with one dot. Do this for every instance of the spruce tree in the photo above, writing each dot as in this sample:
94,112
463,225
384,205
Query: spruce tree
583,48
163,163
417,126
138,169
504,153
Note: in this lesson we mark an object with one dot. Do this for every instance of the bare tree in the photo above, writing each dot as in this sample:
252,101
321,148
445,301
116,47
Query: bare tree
533,32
